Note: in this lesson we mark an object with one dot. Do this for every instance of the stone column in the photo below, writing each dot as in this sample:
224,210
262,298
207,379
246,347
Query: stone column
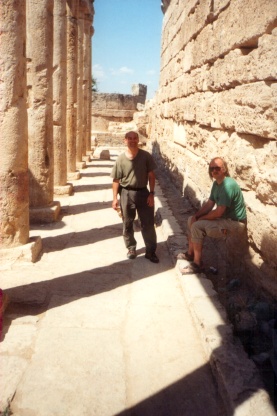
39,52
80,90
14,181
87,85
59,100
72,13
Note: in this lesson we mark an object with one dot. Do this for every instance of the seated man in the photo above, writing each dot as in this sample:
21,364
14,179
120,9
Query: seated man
229,216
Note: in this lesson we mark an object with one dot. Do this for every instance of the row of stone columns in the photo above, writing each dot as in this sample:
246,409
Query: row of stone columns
45,95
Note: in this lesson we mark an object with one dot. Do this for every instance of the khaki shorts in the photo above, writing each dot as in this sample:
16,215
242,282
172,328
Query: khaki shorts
218,228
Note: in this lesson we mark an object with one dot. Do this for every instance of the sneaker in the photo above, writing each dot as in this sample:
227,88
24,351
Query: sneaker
131,254
152,257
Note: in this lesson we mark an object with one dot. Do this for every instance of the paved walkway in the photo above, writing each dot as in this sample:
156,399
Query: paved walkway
89,332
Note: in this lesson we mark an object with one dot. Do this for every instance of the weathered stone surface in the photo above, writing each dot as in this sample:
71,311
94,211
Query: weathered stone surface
38,42
59,94
14,188
218,97
39,50
108,108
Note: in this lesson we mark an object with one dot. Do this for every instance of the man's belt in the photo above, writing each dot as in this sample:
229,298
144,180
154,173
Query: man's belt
129,188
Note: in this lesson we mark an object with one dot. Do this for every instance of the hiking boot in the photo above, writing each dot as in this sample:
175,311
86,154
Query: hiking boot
152,257
132,254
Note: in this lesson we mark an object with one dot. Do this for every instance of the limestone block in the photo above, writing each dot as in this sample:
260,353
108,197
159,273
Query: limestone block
256,170
114,113
214,40
120,101
204,108
196,14
249,109
238,68
140,107
98,101
28,252
262,227
265,57
219,5
45,214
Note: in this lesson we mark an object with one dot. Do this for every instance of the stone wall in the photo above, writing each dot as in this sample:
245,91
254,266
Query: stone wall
115,108
218,97
45,84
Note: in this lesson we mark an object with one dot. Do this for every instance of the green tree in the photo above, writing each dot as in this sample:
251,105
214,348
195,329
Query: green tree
94,84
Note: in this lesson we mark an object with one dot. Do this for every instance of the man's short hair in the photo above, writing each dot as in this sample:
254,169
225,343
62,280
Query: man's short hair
131,132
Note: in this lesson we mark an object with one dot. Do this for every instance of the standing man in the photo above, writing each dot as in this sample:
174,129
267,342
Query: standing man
131,173
229,216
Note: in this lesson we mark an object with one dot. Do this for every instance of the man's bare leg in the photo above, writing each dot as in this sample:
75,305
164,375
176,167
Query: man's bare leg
191,248
197,250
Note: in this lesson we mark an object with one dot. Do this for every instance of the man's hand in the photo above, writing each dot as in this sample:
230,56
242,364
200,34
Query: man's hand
150,200
115,204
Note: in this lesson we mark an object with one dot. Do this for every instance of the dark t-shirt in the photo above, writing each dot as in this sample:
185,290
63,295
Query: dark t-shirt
133,173
229,194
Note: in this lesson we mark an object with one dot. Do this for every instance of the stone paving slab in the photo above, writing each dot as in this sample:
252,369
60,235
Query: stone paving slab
98,334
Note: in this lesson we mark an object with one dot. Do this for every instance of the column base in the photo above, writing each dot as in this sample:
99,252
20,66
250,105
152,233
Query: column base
45,214
81,165
64,190
86,158
4,300
28,252
73,176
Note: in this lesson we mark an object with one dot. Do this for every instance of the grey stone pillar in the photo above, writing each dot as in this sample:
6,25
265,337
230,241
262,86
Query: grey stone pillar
39,52
14,180
61,187
71,113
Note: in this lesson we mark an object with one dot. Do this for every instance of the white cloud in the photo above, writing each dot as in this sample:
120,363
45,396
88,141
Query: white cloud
126,70
98,71
122,70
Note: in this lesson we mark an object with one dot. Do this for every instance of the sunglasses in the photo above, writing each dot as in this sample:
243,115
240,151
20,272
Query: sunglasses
216,168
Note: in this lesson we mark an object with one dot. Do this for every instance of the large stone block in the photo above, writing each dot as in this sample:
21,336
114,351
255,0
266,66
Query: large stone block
249,109
262,228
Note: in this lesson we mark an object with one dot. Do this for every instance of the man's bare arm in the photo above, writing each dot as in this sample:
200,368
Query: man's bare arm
205,209
115,193
213,214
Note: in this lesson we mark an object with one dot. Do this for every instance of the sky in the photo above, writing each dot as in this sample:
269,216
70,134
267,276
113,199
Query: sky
126,45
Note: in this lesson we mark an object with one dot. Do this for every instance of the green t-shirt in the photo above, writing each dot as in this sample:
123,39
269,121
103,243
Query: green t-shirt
229,194
133,173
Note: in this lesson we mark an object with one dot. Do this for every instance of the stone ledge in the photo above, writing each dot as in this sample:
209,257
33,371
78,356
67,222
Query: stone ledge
73,176
27,252
81,165
45,214
238,379
63,190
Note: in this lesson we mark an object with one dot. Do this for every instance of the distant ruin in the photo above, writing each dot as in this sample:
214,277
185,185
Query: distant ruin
111,110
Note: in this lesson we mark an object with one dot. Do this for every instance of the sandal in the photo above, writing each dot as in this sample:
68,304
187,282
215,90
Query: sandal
185,256
192,268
